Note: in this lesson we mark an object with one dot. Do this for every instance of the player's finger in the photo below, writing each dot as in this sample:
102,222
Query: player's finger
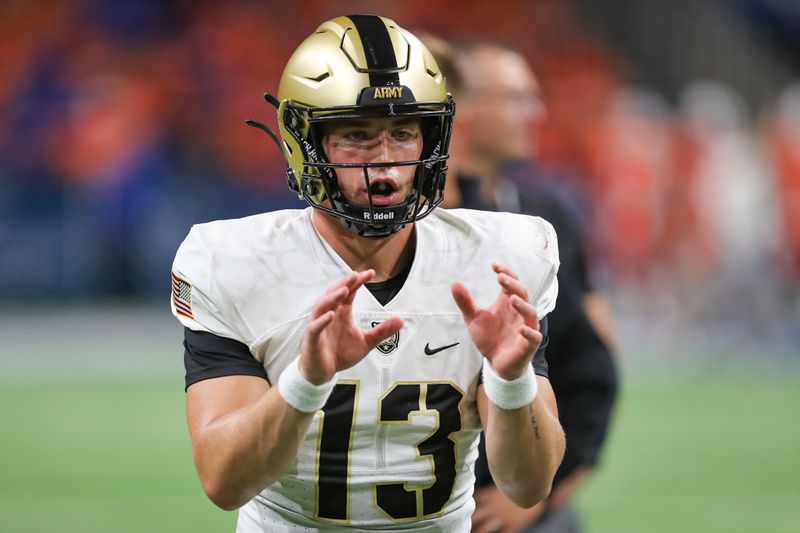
342,282
360,279
533,336
464,300
316,326
512,285
527,310
502,268
382,331
329,301
348,281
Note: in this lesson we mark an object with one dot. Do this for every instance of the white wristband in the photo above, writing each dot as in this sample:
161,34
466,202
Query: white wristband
508,395
301,393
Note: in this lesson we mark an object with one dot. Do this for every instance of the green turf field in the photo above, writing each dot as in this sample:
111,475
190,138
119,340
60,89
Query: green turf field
691,455
702,455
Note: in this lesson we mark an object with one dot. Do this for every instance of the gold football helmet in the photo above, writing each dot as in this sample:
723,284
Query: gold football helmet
362,66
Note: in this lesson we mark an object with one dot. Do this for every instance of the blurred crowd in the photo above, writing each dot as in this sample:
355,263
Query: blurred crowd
122,123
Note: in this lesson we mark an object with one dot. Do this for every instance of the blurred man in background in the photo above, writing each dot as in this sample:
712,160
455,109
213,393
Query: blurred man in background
499,109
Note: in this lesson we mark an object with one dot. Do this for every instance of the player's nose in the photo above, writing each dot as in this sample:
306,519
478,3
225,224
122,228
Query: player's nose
383,150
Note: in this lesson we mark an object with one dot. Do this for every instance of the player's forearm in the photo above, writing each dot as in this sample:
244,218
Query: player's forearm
240,454
524,448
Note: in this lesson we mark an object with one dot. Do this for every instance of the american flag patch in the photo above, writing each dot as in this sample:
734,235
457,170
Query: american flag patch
182,296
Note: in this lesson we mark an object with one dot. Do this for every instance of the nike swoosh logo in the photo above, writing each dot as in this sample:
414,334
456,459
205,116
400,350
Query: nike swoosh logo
431,351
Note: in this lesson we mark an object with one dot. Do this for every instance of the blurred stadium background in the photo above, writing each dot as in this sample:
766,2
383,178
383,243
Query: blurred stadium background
676,125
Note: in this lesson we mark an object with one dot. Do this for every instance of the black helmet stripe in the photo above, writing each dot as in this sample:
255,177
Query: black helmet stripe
378,49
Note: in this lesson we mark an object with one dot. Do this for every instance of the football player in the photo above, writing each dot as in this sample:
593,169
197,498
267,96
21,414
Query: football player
341,360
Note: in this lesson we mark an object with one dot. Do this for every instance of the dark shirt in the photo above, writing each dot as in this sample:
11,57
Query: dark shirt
581,368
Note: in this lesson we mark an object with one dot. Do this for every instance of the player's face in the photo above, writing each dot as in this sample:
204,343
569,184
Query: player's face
374,140
504,104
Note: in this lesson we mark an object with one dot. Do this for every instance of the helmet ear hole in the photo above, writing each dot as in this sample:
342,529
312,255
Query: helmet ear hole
311,188
294,120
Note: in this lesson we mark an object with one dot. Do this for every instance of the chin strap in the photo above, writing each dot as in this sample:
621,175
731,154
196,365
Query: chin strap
370,227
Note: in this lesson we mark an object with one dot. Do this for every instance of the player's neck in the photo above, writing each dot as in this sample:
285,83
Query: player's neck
387,256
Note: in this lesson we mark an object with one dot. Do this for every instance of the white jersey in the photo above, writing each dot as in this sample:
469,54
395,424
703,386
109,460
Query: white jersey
394,447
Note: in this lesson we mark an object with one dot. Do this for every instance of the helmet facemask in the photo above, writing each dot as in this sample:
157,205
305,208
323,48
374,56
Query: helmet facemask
319,184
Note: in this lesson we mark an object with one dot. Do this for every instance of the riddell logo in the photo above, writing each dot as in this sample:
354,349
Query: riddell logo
383,93
379,216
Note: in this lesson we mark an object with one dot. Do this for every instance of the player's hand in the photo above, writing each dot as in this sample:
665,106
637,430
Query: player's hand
333,342
507,332
494,513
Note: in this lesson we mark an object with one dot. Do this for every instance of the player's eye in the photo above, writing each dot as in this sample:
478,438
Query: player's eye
404,134
357,135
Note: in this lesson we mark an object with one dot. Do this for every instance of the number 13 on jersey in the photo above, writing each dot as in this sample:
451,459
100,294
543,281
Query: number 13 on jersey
397,406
